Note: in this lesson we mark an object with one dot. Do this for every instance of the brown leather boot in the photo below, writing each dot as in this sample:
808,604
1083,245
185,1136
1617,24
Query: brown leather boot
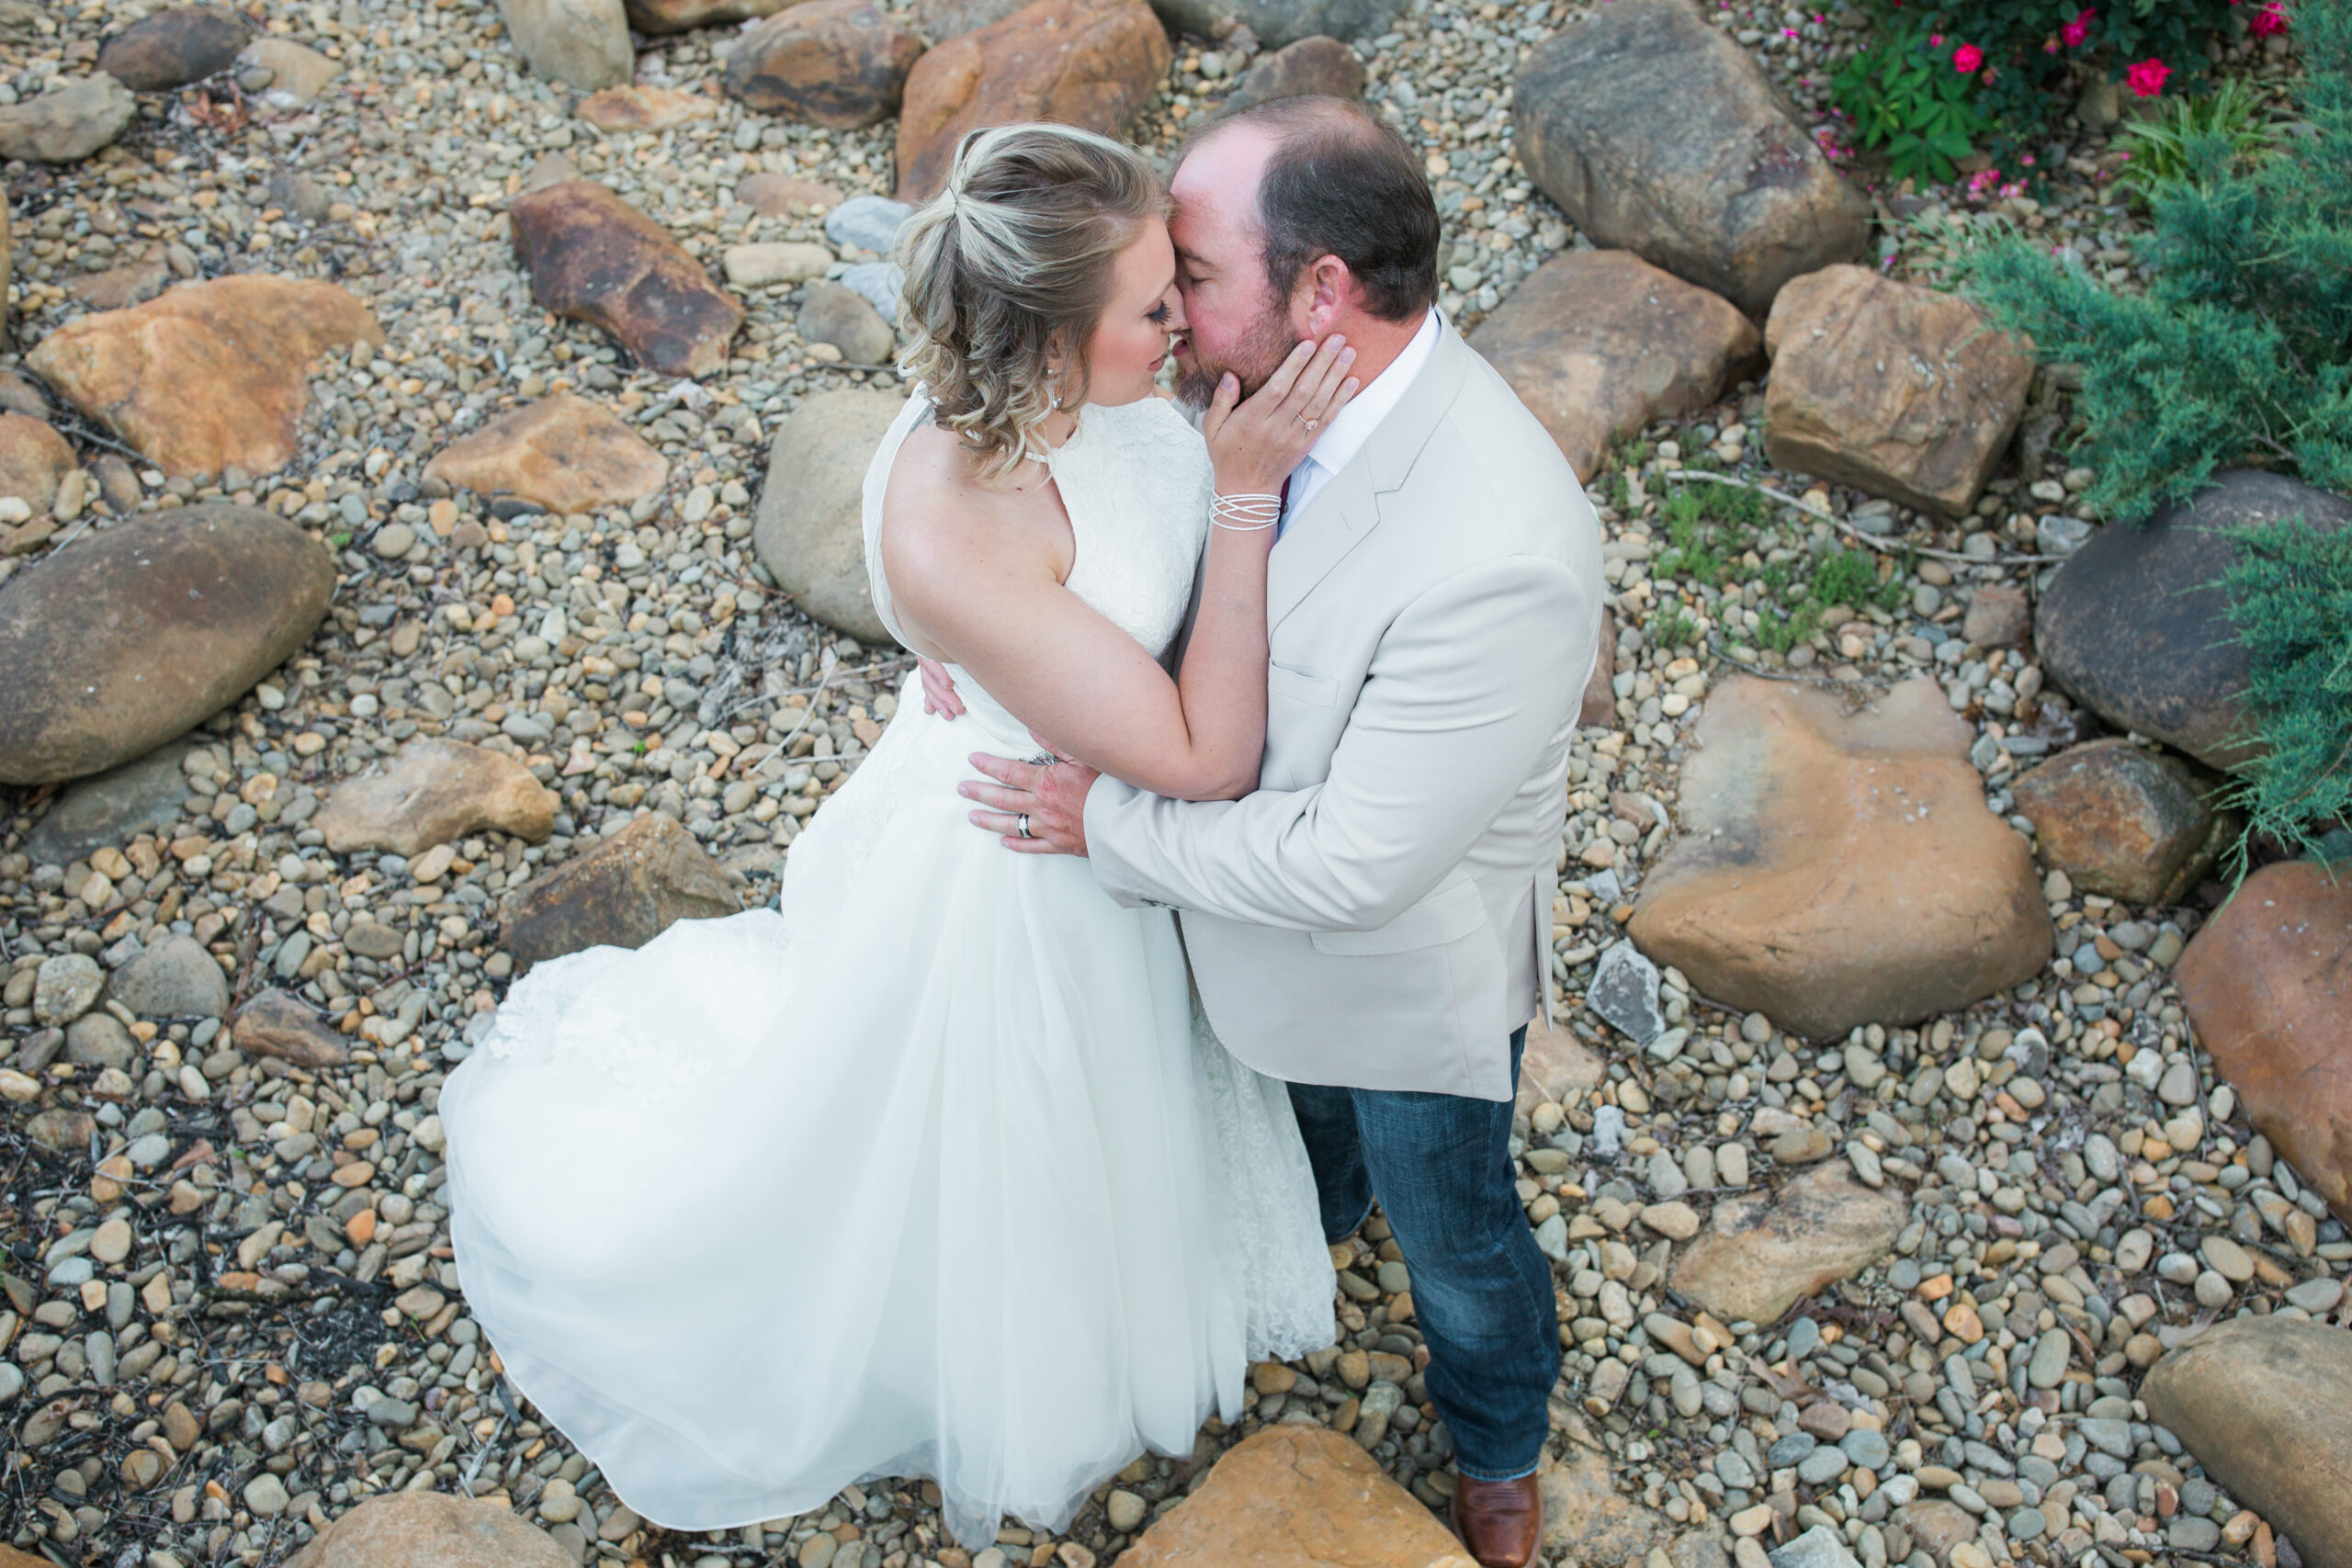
1501,1522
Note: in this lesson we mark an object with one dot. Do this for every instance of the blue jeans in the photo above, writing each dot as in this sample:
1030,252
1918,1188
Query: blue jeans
1440,1165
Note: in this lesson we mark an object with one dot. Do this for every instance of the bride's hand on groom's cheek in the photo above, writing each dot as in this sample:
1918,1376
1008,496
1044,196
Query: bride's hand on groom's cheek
1052,797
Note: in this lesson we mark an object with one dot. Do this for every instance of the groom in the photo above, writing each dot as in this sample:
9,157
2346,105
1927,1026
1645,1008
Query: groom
1373,924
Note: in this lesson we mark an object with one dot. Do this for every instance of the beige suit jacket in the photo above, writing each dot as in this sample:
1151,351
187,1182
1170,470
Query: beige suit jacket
1378,914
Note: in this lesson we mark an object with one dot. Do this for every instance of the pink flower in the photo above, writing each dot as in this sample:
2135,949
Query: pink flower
1935,40
2049,46
2271,20
2147,78
1966,59
2076,31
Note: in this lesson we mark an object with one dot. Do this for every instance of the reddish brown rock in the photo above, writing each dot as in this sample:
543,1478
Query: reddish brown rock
1761,1254
1998,616
1297,1497
1840,868
34,459
841,63
682,15
2122,820
563,452
1554,1066
1598,344
594,258
175,46
624,893
1600,706
645,108
1312,66
430,1529
783,195
274,1024
2268,984
1087,63
437,791
1903,391
208,375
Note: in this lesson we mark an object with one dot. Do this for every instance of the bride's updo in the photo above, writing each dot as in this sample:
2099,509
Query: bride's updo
1009,268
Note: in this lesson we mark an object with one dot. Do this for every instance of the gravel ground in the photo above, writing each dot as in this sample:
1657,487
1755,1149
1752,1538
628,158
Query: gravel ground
230,1309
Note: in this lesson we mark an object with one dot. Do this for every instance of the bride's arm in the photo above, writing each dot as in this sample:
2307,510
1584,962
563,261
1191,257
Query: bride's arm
1087,687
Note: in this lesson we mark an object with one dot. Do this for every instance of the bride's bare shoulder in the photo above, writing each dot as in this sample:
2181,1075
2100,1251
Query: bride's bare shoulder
940,519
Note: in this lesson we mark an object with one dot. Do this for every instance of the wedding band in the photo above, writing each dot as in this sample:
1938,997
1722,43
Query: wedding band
1020,824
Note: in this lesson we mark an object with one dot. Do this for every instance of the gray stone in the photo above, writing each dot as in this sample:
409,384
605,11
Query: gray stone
2048,1367
111,808
99,1040
1866,1448
1280,22
581,43
880,282
868,223
66,987
67,124
175,978
810,531
835,313
1819,1546
1624,991
1822,1465
172,47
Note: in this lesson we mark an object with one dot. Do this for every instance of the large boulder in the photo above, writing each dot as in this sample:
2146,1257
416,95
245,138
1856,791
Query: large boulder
69,123
1840,868
1297,1497
624,893
2266,1406
2267,982
170,48
430,1529
594,258
1311,67
1900,390
138,633
2122,820
841,63
1086,62
436,792
810,534
1280,22
563,452
684,16
1598,344
209,375
1658,134
2136,624
581,43
1759,1254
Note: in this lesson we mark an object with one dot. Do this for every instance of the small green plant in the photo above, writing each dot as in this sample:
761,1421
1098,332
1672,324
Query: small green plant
1907,96
340,538
1850,577
2160,147
1678,630
2291,598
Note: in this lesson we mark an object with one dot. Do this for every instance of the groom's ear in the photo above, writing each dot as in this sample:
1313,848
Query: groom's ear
1328,289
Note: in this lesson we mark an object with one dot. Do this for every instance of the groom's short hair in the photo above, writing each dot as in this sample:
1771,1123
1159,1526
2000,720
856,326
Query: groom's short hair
1342,182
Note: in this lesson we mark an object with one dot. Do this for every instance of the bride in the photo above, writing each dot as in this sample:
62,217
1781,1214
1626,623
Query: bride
935,1170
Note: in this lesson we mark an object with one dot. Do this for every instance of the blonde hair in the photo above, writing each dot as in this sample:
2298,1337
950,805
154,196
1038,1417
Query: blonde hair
1010,267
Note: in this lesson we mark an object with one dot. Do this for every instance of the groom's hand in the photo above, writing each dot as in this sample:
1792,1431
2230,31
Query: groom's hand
1053,796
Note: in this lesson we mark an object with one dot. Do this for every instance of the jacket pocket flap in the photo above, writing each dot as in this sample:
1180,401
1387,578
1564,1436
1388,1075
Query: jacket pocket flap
1317,691
1447,915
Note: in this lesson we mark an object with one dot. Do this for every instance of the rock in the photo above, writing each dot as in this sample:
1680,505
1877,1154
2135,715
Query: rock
430,1529
2265,1404
2136,626
1624,991
99,1040
810,534
645,108
1658,134
1279,23
1554,1065
67,124
682,15
436,792
581,43
839,63
7,277
120,287
880,282
1598,344
248,341
63,1131
33,460
1820,1547
783,195
844,318
303,197
2122,820
1587,1518
1599,706
298,74
594,258
1758,1256
1838,869
623,893
773,262
274,1024
175,978
1937,1527
1312,66
940,20
867,223
66,987
1292,1497
1998,616
1092,63
2267,984
565,453
166,50
142,796
137,633
1895,388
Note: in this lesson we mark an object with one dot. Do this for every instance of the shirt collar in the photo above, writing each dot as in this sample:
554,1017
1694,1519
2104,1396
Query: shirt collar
1353,425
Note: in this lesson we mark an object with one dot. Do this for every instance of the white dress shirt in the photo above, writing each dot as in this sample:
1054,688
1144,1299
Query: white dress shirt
1353,425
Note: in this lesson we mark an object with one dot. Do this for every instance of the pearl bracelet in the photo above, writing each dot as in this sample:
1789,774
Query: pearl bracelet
1246,514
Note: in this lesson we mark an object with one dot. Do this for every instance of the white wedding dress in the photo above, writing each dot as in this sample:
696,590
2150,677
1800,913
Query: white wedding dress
933,1170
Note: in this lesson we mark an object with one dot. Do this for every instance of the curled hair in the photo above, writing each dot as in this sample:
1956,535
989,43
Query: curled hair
1010,267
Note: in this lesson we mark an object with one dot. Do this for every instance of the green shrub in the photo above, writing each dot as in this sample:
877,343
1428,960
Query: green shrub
2159,148
1903,97
2291,600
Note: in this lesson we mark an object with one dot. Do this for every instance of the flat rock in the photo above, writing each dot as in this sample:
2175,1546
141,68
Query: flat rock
2267,982
867,223
2265,1404
297,74
1092,63
767,262
247,342
839,63
564,452
1840,868
436,792
1658,134
134,635
1598,344
175,978
2121,820
645,108
1554,1065
1587,1519
624,893
846,318
785,196
1310,67
594,258
2136,626
69,123
810,532
1901,390
276,1024
940,20
581,43
1759,1254
430,1529
61,1132
1297,1497
1998,616
99,1040
34,459
1278,23
1624,991
135,282
143,795
170,48
682,15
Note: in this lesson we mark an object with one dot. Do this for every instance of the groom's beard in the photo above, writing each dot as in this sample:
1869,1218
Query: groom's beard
1254,359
